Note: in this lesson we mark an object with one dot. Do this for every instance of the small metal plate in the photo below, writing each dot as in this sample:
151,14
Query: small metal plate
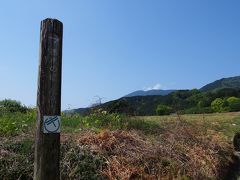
51,124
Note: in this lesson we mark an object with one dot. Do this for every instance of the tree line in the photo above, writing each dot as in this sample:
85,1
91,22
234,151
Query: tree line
183,101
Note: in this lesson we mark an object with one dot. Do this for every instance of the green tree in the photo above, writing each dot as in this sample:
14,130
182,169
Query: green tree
234,104
12,106
163,110
122,106
218,105
204,100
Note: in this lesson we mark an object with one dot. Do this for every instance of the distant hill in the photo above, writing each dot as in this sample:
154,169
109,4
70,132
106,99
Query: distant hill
185,101
150,93
232,82
81,111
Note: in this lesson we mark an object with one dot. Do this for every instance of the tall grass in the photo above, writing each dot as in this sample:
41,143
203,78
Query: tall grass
119,147
16,122
100,120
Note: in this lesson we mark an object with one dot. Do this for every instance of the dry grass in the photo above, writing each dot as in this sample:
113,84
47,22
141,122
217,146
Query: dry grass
182,151
186,147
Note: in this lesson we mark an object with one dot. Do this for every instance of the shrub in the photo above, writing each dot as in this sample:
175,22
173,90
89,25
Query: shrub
218,105
113,121
9,105
234,104
163,110
101,119
14,123
71,123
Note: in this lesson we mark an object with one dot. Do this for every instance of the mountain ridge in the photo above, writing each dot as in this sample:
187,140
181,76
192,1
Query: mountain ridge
153,97
230,82
154,92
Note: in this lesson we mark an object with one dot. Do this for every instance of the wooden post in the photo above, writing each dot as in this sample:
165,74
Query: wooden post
47,139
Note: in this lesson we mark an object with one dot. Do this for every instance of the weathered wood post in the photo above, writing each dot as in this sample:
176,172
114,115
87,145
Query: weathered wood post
47,139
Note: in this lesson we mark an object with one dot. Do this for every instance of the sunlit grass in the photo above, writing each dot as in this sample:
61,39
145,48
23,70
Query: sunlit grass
15,123
164,143
226,124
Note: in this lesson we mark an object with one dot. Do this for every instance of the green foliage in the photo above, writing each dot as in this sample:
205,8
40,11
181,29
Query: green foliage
232,82
15,123
178,101
234,104
198,110
163,109
226,92
23,147
204,100
122,106
233,100
218,105
71,123
147,127
102,119
9,105
78,161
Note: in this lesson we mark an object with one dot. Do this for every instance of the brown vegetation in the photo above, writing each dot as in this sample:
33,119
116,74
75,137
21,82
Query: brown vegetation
169,147
182,151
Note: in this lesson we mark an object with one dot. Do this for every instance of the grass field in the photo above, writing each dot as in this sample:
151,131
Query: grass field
112,146
226,124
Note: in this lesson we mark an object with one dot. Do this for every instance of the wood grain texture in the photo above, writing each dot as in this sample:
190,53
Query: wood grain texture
47,146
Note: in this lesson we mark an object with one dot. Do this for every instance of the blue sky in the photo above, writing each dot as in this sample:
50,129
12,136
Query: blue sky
112,48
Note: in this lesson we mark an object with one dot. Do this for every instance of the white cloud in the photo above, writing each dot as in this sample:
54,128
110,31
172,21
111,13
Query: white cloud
155,87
